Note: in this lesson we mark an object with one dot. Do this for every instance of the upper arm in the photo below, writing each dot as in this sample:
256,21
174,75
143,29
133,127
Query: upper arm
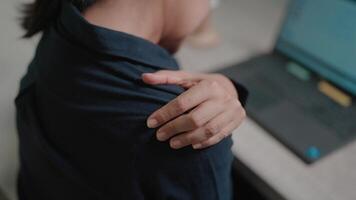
97,119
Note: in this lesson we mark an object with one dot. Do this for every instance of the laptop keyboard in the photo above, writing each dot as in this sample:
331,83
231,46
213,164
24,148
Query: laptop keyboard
271,86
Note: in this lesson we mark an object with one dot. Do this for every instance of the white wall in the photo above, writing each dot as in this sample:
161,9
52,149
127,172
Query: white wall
14,56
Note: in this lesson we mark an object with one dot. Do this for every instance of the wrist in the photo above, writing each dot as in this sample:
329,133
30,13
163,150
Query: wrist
228,84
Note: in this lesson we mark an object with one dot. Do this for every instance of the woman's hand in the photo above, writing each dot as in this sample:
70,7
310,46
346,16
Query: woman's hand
207,112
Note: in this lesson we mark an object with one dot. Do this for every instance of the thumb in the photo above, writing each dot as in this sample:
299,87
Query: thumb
182,78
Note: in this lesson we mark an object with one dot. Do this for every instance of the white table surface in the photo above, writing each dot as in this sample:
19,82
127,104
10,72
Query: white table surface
331,178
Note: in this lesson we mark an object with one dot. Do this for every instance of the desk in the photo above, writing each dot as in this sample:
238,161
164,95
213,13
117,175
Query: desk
332,178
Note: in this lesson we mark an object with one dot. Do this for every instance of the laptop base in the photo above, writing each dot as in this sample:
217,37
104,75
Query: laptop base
293,110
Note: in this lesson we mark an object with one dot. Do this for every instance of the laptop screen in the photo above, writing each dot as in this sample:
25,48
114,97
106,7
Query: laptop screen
321,34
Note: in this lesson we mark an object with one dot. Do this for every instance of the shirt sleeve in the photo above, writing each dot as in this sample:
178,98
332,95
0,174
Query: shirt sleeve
241,91
95,122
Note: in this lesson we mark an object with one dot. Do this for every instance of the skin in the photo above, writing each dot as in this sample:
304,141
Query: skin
209,109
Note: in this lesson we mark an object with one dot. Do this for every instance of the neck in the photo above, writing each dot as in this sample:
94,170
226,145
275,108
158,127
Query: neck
142,18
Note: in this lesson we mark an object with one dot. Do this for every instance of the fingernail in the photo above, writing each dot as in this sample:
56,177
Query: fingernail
161,136
176,144
197,146
152,123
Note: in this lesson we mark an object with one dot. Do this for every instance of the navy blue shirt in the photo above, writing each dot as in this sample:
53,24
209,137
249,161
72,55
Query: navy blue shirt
81,117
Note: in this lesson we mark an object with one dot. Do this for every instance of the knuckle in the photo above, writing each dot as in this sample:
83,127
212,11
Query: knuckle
214,85
195,120
243,113
188,139
228,97
180,105
169,128
237,105
241,110
211,130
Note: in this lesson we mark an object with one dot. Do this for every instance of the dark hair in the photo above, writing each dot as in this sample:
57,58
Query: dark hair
38,15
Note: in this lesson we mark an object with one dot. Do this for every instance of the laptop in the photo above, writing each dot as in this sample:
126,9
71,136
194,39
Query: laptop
303,93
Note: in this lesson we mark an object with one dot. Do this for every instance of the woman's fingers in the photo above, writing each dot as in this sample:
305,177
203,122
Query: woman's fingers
208,130
158,78
226,131
184,102
213,131
199,116
171,77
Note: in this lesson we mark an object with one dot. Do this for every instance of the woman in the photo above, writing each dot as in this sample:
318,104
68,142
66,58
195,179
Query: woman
206,35
102,70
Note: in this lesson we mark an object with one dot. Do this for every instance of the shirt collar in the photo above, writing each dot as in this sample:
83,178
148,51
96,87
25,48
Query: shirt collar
112,42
